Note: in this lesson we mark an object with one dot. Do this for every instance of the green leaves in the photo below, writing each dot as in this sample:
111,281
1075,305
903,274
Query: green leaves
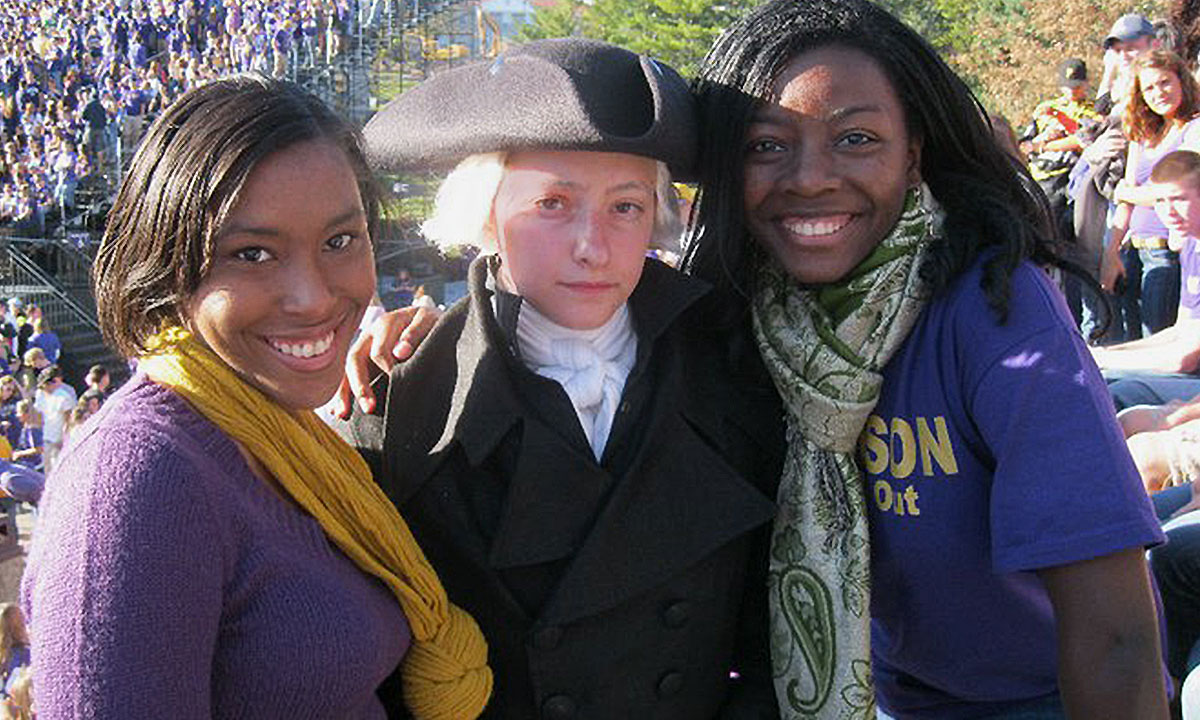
1005,49
678,32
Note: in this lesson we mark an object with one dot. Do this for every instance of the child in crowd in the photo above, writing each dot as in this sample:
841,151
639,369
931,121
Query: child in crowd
28,451
34,362
97,380
14,647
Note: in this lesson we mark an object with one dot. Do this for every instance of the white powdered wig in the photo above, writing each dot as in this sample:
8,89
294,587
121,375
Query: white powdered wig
463,206
463,203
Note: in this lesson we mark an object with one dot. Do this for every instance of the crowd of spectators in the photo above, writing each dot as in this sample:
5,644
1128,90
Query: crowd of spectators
80,78
1121,170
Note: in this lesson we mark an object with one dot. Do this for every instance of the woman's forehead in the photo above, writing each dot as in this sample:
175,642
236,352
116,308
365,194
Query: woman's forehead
831,80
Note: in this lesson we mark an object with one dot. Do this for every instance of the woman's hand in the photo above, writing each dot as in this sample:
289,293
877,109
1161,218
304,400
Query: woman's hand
391,338
1190,505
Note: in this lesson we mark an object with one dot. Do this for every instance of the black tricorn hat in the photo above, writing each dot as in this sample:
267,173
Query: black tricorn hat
561,94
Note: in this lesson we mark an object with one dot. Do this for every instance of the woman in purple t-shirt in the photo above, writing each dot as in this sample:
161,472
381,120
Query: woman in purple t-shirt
1160,118
937,393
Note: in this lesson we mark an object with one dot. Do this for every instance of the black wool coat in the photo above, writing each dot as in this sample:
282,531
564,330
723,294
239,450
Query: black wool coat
628,588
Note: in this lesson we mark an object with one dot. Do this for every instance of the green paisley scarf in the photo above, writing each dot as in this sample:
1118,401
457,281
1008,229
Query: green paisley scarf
825,349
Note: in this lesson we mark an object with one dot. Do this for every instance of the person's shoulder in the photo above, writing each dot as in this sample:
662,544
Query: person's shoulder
146,464
145,428
1032,302
1190,139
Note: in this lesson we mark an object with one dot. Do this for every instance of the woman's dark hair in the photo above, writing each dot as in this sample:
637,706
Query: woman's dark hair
1142,124
182,183
989,198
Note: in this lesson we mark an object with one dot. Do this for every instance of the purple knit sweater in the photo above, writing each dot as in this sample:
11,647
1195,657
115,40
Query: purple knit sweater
167,581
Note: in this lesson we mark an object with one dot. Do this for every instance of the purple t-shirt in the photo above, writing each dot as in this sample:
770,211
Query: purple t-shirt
1144,222
1189,280
992,452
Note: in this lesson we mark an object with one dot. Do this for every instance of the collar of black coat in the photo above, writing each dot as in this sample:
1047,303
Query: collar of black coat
684,503
486,349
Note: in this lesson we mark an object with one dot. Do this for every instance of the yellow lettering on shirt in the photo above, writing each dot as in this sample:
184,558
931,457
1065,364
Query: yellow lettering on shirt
938,447
873,449
893,447
904,460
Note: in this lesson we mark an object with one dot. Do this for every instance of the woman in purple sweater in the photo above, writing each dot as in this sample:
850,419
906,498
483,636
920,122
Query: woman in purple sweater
207,547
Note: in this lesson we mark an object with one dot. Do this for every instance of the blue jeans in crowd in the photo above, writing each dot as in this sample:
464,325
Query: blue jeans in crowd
1160,289
1126,322
1176,568
1135,387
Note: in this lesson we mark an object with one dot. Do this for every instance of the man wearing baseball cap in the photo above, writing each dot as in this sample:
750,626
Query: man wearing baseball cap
1055,138
1054,143
1130,36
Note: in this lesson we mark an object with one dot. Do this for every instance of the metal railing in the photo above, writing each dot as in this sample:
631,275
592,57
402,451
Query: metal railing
23,277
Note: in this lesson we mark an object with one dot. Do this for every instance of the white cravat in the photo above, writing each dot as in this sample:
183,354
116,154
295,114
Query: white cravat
591,365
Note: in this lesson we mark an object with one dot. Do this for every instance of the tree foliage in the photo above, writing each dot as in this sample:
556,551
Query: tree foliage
678,32
1007,50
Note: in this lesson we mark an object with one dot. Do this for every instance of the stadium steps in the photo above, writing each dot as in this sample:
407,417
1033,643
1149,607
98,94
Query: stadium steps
53,276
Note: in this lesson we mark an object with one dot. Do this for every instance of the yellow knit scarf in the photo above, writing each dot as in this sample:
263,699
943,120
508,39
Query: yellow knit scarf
445,673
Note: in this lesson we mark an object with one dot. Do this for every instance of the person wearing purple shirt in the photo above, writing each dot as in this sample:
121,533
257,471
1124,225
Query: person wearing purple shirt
1163,367
961,532
46,339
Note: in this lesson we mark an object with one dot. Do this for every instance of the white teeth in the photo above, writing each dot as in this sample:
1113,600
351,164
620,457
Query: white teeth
304,350
815,228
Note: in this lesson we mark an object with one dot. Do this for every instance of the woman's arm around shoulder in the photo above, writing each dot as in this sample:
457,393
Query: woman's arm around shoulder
123,590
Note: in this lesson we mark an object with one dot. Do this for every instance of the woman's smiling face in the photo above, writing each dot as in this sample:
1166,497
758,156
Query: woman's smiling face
1161,91
827,164
291,274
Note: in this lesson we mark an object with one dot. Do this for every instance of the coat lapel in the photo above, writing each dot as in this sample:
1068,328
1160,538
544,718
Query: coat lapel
680,502
552,500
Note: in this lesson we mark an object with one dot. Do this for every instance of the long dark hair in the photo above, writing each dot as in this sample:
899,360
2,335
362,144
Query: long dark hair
183,181
989,198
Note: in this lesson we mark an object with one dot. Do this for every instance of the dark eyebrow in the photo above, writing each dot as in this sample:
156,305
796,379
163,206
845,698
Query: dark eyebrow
843,113
770,112
340,219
